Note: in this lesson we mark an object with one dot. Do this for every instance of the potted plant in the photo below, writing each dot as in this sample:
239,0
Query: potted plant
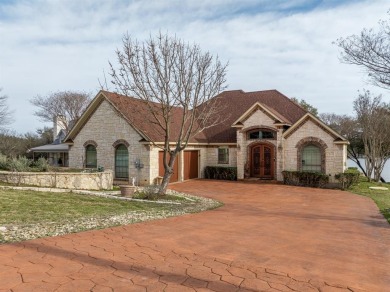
127,190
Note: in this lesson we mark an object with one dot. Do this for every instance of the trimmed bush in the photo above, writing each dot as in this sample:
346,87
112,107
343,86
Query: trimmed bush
348,178
305,178
220,172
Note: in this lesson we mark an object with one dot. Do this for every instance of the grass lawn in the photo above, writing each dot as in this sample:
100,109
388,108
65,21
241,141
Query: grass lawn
30,214
26,207
381,198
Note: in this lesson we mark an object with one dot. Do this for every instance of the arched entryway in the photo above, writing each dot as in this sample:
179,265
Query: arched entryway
121,162
262,161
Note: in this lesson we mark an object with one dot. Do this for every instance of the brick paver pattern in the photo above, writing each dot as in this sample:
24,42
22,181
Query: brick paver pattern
265,238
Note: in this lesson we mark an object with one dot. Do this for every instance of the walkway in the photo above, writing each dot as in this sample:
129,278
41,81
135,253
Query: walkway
265,238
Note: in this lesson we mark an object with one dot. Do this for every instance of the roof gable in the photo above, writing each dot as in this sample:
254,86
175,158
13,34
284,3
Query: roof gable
340,139
90,110
255,107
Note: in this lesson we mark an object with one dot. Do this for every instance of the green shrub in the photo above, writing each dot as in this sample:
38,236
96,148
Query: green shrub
22,164
3,162
348,178
40,164
220,172
305,178
19,164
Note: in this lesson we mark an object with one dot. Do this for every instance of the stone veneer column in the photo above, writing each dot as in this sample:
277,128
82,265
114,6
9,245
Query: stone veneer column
241,159
280,154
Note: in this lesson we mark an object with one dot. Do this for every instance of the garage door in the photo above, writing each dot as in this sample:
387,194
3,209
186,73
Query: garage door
175,175
191,165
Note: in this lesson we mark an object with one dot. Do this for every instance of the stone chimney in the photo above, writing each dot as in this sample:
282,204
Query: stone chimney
58,125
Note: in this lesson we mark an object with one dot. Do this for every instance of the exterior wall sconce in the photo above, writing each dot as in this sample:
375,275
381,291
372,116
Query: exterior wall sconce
138,164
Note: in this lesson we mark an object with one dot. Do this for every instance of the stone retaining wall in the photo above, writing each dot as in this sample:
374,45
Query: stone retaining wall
65,180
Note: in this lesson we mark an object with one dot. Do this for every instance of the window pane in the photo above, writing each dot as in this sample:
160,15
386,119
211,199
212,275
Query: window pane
254,135
121,162
90,156
223,155
311,159
258,134
267,135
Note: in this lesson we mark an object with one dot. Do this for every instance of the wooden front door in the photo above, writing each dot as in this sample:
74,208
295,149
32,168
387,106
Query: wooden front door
262,161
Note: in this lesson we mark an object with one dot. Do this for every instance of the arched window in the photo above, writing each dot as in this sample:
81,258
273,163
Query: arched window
121,161
311,158
261,134
90,156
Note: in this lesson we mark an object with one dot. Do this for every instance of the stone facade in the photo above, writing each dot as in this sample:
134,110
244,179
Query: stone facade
107,129
63,180
257,120
335,154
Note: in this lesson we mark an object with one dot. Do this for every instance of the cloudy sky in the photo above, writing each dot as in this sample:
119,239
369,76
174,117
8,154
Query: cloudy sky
50,45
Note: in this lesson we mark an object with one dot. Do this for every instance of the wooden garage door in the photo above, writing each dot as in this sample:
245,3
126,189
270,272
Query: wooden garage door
191,164
175,175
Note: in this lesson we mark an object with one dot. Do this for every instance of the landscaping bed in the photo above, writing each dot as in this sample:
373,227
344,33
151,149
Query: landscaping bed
26,214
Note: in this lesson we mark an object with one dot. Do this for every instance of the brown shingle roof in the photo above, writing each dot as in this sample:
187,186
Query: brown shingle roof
235,102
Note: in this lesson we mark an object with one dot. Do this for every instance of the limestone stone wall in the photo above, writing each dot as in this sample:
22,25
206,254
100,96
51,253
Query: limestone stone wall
105,127
212,156
335,155
64,180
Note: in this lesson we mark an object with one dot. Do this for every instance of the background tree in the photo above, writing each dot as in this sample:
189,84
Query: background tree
311,109
373,117
5,112
14,145
371,51
68,104
168,74
348,127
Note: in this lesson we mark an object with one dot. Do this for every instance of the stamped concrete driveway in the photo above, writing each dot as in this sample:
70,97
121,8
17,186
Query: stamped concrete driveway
265,238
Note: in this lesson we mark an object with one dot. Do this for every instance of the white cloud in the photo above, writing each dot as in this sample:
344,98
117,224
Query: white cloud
58,45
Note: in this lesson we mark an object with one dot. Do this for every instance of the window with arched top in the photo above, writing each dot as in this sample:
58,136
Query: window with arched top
121,161
261,134
311,158
90,156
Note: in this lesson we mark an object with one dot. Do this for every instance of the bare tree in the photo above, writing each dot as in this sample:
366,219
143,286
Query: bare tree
66,104
177,83
373,117
5,112
349,128
370,50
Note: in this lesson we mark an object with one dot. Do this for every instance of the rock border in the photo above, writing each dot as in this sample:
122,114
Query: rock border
10,234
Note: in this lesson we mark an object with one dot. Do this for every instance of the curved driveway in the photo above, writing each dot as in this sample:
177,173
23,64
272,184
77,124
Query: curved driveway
265,238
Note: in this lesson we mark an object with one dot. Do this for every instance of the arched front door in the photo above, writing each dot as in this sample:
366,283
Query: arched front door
121,162
262,161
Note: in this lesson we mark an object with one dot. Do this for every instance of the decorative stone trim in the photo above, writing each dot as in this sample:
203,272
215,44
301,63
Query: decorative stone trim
90,142
119,142
315,142
247,129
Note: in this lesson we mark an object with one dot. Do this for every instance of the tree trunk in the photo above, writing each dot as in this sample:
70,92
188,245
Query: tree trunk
356,160
168,167
164,184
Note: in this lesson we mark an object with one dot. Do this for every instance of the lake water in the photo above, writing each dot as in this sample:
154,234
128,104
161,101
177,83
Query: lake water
385,172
